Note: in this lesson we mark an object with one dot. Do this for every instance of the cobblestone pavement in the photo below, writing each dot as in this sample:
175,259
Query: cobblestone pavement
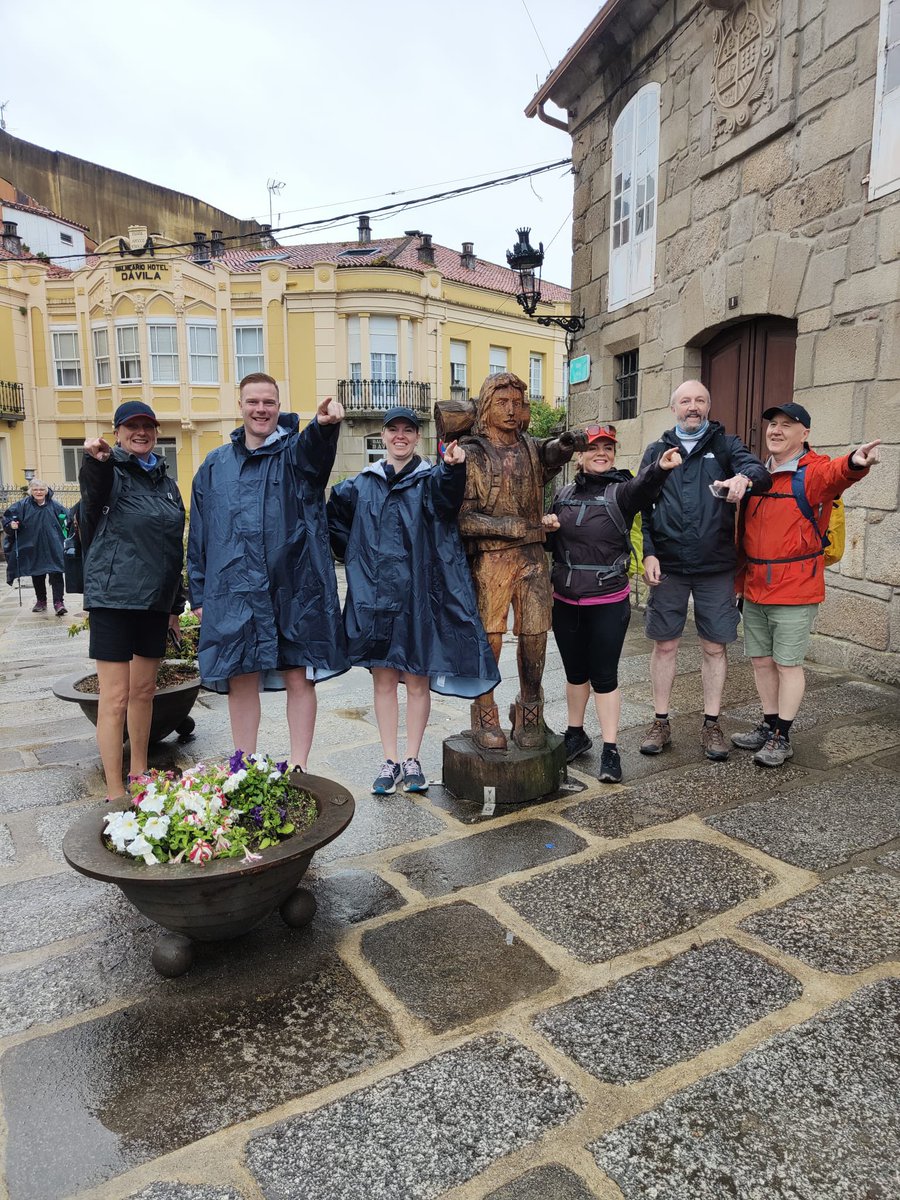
685,987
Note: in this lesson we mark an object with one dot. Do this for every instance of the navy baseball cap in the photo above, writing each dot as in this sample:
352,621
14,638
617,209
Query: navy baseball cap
131,409
400,413
795,411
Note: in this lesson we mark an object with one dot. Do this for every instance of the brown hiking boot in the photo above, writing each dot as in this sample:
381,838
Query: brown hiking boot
713,742
657,737
527,716
486,730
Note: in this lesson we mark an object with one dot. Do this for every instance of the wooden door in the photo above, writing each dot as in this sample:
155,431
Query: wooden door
748,368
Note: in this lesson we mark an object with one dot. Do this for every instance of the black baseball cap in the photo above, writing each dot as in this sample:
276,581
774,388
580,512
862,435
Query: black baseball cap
795,411
131,409
400,413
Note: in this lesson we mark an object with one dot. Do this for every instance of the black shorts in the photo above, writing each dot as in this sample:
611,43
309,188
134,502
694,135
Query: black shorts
118,634
590,638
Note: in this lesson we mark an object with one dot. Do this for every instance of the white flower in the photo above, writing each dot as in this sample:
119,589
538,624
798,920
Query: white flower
152,802
274,775
197,804
233,782
156,827
123,825
214,804
141,848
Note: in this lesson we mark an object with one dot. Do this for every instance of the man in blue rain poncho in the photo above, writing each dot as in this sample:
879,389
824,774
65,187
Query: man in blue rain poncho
260,570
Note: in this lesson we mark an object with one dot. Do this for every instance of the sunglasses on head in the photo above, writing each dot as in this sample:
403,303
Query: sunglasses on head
594,432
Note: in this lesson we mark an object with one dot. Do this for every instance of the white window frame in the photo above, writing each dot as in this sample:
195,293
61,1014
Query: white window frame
166,448
163,363
102,363
128,354
884,168
241,363
66,238
71,451
535,371
204,356
459,366
494,357
65,362
633,195
374,448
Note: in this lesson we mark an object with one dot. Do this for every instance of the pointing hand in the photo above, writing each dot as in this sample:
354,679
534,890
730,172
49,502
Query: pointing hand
671,458
329,412
454,454
97,448
867,455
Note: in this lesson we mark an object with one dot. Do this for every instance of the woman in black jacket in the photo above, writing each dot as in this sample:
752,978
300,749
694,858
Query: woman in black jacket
131,527
37,527
589,527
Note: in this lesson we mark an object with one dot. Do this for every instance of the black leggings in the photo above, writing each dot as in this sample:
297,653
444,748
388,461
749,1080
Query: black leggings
40,587
590,639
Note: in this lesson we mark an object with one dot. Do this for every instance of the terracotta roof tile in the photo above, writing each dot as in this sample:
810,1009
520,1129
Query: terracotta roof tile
395,252
42,211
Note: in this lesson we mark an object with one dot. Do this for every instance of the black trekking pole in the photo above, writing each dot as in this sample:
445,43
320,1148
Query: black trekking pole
18,572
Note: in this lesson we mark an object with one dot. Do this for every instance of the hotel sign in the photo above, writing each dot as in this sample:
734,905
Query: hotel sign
148,271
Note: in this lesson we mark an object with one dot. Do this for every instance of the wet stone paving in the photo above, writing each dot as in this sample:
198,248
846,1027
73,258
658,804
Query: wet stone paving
686,987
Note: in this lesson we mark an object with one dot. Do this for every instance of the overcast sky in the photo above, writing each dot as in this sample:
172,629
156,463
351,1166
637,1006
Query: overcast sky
342,100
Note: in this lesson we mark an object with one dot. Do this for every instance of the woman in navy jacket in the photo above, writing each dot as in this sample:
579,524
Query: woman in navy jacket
411,614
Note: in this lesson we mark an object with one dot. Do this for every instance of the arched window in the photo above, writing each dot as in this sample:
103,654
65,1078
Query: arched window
635,168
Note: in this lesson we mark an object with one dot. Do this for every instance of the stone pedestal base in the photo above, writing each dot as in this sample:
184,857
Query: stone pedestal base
515,775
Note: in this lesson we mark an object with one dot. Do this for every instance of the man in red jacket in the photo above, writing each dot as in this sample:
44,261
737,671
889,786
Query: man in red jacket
783,581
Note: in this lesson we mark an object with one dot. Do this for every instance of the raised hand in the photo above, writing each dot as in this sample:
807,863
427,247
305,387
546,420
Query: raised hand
867,455
671,458
454,454
329,412
97,448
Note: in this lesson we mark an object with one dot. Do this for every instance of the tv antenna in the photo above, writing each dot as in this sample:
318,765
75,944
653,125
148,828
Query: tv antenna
275,187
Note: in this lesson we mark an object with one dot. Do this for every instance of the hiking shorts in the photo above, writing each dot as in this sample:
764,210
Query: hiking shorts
118,634
778,631
716,613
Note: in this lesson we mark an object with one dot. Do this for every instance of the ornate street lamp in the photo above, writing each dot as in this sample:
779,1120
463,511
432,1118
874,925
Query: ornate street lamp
524,259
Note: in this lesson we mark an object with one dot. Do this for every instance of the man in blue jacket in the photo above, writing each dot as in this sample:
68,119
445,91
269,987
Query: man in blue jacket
689,551
260,569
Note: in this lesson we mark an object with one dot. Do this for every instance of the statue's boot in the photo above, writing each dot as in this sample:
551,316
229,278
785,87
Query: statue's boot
529,730
486,727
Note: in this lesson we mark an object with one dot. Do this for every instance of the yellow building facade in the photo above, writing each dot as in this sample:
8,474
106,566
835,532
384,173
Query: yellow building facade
373,323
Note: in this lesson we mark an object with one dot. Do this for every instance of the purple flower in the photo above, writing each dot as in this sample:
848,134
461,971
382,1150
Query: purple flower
236,762
282,813
282,767
256,815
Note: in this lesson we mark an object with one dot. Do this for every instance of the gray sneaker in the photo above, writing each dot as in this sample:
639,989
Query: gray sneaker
753,739
775,752
657,737
713,742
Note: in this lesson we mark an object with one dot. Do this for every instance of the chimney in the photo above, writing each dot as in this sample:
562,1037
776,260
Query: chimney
467,258
216,245
12,243
425,250
364,229
266,241
201,248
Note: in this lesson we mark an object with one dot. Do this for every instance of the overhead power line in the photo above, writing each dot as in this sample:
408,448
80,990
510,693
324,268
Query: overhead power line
327,222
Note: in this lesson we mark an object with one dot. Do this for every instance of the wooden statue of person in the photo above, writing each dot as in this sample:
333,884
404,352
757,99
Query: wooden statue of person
500,521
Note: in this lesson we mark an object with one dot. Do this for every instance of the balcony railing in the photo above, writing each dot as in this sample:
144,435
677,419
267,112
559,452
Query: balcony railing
377,395
12,401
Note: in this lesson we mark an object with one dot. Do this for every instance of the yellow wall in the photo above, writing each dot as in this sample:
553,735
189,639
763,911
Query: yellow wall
302,312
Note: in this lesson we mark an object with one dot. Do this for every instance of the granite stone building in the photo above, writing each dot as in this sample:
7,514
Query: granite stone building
737,218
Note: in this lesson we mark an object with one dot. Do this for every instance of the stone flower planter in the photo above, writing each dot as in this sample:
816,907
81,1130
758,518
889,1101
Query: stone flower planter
171,705
225,897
